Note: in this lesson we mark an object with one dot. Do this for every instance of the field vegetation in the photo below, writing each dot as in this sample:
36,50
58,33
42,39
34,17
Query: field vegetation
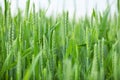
36,47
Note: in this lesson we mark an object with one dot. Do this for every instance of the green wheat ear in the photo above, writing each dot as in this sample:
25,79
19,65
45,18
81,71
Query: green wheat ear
115,59
27,8
94,71
19,67
118,5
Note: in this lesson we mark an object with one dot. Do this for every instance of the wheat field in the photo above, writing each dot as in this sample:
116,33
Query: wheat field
36,47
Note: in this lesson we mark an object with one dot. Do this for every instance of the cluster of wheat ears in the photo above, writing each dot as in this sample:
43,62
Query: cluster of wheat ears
36,47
